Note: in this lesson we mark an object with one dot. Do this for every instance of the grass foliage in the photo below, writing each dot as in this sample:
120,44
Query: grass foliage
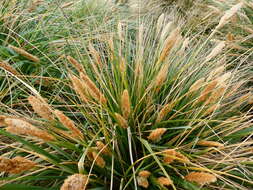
102,95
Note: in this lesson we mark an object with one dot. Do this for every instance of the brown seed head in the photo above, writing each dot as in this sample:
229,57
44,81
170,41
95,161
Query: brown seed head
98,159
76,64
5,164
164,111
144,173
92,89
171,155
2,118
164,181
9,68
25,54
20,165
103,147
68,123
95,55
121,121
20,127
156,134
41,108
210,143
216,50
142,182
125,104
75,182
79,88
161,76
201,178
197,85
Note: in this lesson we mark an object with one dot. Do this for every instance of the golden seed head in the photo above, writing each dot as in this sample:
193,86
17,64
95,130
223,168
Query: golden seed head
2,118
161,76
121,121
103,147
5,164
164,181
9,68
207,90
20,127
76,64
25,54
75,182
92,89
20,165
197,85
41,108
98,159
210,143
125,104
68,123
156,134
142,182
79,88
171,155
144,173
95,55
201,178
164,111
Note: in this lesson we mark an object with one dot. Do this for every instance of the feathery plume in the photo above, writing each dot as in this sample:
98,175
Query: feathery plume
9,68
2,118
161,76
160,23
212,109
75,182
25,54
41,108
5,164
168,45
164,181
156,134
20,127
121,121
68,123
217,50
103,147
164,111
98,159
125,104
210,143
78,87
216,72
92,89
68,4
201,178
197,85
228,15
142,178
76,64
95,54
209,88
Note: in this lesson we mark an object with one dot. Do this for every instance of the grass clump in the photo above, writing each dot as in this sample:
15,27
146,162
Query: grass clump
151,109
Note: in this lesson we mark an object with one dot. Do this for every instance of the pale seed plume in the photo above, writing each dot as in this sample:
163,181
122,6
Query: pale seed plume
125,104
9,68
75,182
68,123
41,108
164,112
142,178
160,23
121,121
164,181
94,53
25,54
76,64
161,76
217,50
156,134
201,178
205,93
92,89
197,85
228,15
168,45
66,5
20,127
210,143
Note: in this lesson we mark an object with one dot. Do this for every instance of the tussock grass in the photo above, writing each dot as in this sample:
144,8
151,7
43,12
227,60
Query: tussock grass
129,105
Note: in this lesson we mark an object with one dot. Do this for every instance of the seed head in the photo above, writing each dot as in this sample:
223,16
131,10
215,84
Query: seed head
164,181
9,68
171,155
161,76
41,108
103,147
121,121
156,134
201,178
79,88
164,112
142,182
217,50
197,85
210,143
98,159
144,173
75,182
25,54
20,127
95,55
125,104
20,165
76,64
68,123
